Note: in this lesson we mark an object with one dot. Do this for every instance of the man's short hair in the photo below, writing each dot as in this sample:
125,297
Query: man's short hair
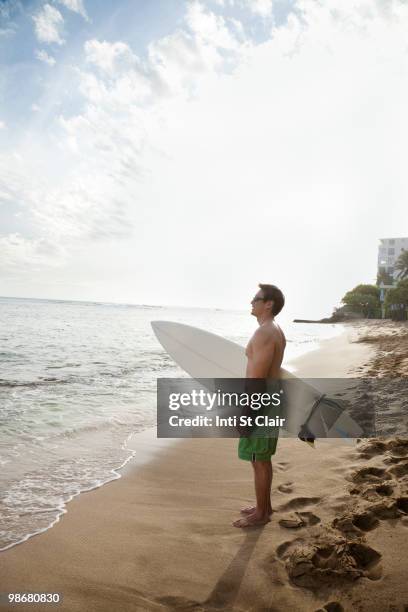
271,292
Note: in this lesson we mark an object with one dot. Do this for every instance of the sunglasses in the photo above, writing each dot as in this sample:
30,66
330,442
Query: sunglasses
257,299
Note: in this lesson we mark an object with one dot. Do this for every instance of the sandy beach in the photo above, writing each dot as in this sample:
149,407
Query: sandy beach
160,537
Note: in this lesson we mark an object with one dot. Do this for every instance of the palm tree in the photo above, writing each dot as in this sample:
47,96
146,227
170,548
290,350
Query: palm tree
402,264
384,277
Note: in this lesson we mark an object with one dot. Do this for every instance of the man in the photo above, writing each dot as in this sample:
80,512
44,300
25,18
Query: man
265,354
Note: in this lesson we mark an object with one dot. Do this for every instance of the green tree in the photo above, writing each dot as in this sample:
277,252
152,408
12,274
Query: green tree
365,290
398,294
384,277
402,265
363,299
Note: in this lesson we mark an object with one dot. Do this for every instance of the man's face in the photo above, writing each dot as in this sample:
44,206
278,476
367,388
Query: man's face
259,306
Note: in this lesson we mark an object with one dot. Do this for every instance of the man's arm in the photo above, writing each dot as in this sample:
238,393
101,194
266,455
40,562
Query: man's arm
260,360
259,363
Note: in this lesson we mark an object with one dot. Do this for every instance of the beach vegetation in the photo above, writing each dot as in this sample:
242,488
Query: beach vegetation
384,277
396,301
398,295
363,300
402,265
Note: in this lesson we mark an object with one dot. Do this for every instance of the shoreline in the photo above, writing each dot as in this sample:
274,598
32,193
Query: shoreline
134,461
343,355
107,550
151,447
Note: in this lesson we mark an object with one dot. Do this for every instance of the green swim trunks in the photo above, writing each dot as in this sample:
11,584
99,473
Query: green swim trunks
258,447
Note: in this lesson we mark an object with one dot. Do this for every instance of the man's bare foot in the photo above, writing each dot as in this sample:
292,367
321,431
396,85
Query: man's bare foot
251,520
252,509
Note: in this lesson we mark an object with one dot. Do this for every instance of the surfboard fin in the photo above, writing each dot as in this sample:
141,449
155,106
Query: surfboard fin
306,435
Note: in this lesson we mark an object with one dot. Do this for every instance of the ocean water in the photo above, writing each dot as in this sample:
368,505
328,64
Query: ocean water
77,381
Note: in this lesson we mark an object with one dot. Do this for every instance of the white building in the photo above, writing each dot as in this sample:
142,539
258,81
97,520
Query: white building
388,253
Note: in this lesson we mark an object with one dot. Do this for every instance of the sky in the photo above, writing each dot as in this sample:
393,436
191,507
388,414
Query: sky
180,152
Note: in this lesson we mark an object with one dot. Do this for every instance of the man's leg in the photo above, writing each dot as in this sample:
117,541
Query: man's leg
263,483
251,509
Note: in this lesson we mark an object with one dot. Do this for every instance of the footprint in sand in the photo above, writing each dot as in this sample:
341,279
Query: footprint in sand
399,470
372,448
391,460
404,521
384,489
356,522
365,521
395,448
285,549
332,606
282,466
390,508
386,502
299,502
398,447
369,474
286,487
332,561
296,520
327,561
402,504
374,491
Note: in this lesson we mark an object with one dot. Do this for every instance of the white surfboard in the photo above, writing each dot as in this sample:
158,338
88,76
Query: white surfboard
204,355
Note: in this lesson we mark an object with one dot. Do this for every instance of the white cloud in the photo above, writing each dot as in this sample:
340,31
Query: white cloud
48,24
237,25
124,86
64,206
35,108
180,61
2,125
77,6
175,63
262,8
209,27
9,10
110,58
44,57
18,253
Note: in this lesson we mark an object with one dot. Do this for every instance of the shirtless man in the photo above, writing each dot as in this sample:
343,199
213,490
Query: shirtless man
265,353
